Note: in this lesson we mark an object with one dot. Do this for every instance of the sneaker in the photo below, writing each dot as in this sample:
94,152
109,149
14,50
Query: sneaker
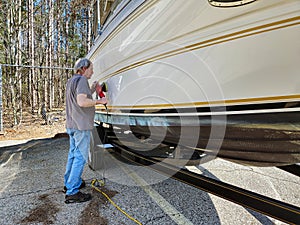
82,185
77,198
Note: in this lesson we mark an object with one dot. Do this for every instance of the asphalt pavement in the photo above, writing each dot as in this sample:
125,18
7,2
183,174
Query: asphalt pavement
31,181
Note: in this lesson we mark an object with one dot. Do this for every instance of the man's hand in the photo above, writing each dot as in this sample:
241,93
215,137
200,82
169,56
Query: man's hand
101,101
94,85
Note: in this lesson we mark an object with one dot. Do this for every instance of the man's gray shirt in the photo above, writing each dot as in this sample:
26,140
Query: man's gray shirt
79,118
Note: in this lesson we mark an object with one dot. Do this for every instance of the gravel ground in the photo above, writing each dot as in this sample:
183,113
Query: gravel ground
31,180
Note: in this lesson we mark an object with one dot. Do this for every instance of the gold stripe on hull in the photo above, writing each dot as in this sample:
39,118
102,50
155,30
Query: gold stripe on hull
229,102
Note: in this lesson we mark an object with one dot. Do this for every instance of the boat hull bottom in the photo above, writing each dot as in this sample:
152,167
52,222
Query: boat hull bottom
254,144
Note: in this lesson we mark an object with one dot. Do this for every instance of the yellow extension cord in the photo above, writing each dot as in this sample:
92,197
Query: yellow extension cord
101,183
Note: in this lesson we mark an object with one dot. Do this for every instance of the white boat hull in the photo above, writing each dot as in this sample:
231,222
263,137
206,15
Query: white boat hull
192,62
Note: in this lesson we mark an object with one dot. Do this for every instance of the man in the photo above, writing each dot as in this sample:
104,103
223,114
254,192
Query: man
80,111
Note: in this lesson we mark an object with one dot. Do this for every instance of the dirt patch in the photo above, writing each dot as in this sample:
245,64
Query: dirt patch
44,213
91,215
33,125
33,130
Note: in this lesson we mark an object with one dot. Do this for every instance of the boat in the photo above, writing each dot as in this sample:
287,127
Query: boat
200,79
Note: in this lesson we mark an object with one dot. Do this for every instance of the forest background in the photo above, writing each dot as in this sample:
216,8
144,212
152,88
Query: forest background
39,42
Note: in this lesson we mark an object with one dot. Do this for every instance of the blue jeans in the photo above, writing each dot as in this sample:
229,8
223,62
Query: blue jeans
77,158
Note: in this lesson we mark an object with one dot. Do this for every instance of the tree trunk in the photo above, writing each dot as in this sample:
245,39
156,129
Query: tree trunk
33,84
51,43
60,77
19,62
12,57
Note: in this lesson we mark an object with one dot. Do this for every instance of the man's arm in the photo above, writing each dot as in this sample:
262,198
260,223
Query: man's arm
84,101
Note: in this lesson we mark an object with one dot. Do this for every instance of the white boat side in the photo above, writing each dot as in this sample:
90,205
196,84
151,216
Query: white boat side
219,80
170,54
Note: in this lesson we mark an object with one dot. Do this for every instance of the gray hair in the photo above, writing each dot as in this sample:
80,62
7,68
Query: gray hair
80,64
